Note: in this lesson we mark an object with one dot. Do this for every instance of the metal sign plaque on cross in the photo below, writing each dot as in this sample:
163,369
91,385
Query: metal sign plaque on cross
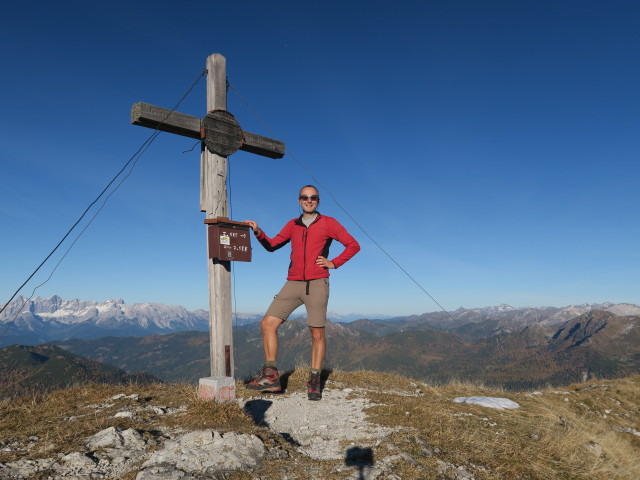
222,137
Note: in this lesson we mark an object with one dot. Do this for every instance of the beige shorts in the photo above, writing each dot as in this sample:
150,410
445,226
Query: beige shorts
295,293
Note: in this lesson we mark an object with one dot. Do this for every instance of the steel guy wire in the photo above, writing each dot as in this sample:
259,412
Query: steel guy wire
310,173
81,233
135,157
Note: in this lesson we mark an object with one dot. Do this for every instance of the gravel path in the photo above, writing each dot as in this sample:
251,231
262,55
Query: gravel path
323,430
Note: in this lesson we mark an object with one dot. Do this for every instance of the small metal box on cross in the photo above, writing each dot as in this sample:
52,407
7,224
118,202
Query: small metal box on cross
228,240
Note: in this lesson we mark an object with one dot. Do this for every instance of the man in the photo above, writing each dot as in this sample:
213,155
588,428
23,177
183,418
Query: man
307,283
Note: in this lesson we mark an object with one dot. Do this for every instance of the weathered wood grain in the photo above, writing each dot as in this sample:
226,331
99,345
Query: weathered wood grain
215,205
265,146
147,115
222,134
151,116
223,137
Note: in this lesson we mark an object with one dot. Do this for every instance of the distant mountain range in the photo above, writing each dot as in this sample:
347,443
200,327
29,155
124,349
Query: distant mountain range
45,319
477,323
596,344
502,345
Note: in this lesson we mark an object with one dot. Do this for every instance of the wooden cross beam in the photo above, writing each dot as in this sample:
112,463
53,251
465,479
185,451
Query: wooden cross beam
222,136
158,118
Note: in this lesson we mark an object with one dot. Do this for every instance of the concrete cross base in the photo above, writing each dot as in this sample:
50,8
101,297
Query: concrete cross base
220,389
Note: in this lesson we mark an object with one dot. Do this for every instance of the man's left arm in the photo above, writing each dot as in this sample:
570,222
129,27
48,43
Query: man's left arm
351,246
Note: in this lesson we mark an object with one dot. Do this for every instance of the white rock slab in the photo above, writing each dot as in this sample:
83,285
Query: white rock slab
490,402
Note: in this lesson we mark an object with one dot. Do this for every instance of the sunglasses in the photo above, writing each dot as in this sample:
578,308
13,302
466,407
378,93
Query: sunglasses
309,198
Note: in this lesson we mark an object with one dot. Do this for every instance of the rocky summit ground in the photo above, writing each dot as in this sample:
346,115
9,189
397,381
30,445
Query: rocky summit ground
367,426
321,429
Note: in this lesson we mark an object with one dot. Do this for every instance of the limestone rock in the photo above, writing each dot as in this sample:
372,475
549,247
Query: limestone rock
163,472
78,460
113,437
25,468
204,451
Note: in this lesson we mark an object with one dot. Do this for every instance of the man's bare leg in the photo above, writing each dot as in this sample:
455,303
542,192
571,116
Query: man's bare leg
270,337
318,347
269,379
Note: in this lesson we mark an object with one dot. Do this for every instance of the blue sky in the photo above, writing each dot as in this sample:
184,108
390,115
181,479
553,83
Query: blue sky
490,147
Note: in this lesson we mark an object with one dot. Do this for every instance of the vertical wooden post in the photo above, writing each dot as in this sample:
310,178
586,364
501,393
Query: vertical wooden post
213,201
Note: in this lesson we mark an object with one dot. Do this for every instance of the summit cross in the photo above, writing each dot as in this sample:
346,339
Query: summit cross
222,137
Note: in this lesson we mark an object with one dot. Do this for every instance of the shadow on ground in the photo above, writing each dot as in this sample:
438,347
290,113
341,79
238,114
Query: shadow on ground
361,458
257,409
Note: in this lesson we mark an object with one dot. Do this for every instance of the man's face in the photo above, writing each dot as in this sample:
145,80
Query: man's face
309,199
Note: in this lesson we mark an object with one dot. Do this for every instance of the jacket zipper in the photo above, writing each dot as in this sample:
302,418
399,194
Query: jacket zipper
304,248
304,253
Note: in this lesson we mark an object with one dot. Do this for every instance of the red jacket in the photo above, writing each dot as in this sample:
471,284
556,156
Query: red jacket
308,243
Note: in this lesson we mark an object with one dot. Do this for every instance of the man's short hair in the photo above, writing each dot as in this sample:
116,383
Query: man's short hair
309,186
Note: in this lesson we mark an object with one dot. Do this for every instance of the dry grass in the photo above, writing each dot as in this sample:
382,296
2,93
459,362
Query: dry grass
62,420
574,434
547,438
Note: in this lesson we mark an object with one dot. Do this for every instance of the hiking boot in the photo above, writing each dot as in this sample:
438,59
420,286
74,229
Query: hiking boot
313,387
267,380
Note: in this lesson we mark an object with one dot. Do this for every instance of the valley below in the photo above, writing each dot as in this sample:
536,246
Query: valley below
594,345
